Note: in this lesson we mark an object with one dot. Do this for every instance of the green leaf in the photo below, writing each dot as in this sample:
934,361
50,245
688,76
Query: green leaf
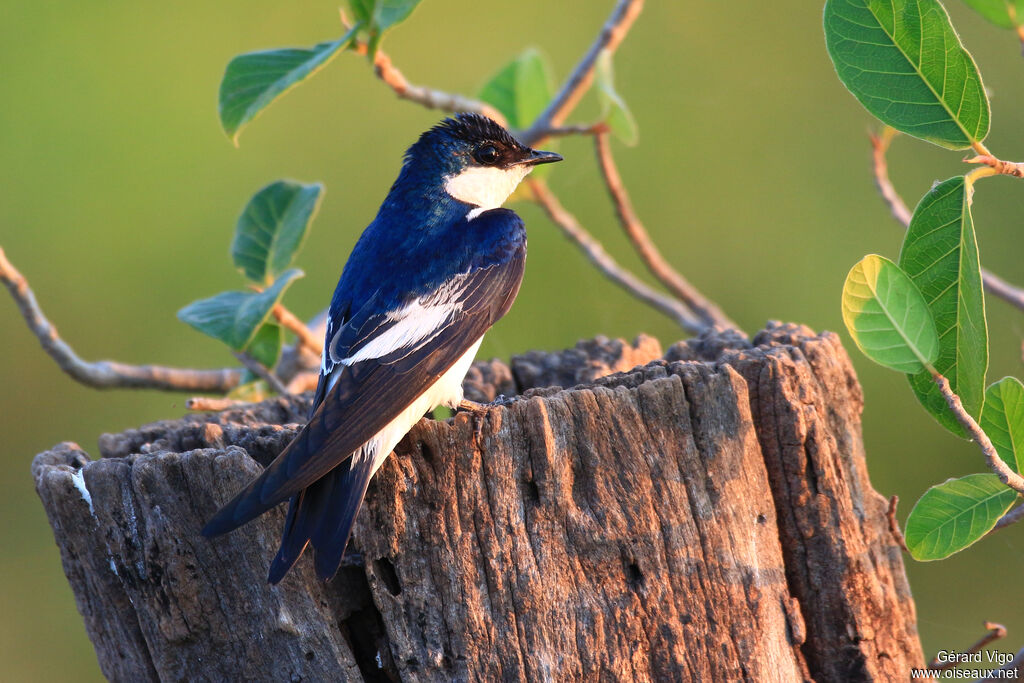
272,227
887,316
1002,418
521,89
940,255
904,62
388,13
234,317
362,10
252,81
953,515
1004,13
614,111
266,344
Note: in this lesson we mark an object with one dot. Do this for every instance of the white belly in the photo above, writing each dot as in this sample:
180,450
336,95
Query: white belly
445,391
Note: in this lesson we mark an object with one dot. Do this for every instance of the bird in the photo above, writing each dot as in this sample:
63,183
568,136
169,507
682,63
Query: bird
439,264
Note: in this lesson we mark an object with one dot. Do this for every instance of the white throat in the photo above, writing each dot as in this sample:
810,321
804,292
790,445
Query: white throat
485,187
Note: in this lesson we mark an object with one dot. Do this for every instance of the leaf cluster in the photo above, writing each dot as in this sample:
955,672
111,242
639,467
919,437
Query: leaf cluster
924,315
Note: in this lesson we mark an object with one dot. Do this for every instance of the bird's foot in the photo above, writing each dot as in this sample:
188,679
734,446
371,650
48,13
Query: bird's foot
478,409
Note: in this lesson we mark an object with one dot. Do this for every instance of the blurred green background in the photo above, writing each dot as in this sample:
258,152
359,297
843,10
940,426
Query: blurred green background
120,192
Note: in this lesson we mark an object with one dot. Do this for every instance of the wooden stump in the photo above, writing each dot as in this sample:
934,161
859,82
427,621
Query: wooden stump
705,516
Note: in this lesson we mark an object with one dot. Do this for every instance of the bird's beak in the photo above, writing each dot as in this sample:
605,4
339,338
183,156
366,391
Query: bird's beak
537,156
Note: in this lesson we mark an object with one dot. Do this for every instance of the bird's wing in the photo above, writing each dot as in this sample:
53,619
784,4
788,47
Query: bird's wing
385,361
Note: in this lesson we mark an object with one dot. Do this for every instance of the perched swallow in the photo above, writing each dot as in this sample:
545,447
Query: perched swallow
437,267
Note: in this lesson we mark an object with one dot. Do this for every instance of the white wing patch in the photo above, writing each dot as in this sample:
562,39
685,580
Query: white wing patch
325,356
411,325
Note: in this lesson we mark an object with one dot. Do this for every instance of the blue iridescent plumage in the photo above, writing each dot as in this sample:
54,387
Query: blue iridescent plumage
435,269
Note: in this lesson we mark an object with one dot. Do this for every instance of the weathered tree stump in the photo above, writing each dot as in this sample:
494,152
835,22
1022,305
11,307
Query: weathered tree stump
706,516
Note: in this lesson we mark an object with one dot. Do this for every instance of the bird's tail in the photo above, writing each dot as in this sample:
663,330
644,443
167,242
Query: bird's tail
323,514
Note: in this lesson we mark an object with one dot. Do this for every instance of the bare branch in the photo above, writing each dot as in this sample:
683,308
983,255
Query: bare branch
999,287
998,166
106,374
880,145
298,328
574,129
674,309
710,314
207,404
428,97
994,284
612,33
995,463
894,525
261,371
1011,517
994,632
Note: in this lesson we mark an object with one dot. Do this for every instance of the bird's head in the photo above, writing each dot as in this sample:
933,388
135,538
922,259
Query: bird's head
472,159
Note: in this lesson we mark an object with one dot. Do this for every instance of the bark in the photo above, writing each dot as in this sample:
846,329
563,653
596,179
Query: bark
704,516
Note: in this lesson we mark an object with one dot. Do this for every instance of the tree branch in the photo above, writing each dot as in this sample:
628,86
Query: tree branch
106,374
995,463
612,33
894,525
305,336
1011,517
674,309
710,314
880,145
994,284
994,632
428,97
261,371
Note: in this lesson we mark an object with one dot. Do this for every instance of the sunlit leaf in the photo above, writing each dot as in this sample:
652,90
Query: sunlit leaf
614,111
904,62
1002,418
234,317
252,81
953,515
887,316
521,89
272,227
941,256
1004,13
388,13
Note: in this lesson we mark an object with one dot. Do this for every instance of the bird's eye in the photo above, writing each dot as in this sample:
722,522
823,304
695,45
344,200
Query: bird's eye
488,154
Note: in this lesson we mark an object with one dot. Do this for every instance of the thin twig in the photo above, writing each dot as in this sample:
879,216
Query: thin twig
711,315
994,284
302,332
1011,517
995,463
612,33
106,374
894,525
261,371
428,97
674,309
998,166
303,381
209,404
1004,290
880,145
994,632
574,129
